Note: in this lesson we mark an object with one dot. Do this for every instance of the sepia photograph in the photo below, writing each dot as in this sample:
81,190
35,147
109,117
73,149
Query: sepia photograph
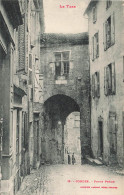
61,97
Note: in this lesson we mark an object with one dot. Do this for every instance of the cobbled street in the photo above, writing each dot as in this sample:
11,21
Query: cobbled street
72,180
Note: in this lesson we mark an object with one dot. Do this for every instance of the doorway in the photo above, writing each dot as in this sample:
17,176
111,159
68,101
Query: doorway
100,140
113,137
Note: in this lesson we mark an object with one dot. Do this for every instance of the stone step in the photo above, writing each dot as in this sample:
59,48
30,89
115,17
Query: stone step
120,172
98,162
89,160
94,161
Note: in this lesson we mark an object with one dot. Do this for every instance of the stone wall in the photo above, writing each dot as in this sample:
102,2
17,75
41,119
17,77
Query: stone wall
104,105
76,87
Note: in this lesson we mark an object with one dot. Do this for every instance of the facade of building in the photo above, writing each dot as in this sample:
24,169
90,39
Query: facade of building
10,95
106,43
19,71
34,30
65,69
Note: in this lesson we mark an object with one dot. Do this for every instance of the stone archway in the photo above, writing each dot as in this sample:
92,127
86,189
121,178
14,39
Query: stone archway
56,110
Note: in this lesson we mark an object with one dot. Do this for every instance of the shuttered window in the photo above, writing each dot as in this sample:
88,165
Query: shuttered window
104,35
95,46
96,85
30,93
105,82
96,36
112,29
62,64
113,78
94,12
36,86
21,46
109,79
109,32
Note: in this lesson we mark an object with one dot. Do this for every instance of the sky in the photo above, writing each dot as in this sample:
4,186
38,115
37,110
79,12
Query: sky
65,20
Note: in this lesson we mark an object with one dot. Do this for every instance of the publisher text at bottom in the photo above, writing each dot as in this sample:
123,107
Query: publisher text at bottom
98,187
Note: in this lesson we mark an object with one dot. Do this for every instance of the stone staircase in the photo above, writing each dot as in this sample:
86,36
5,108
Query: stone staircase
92,161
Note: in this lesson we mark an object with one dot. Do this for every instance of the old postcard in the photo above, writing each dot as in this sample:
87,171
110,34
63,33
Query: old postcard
61,97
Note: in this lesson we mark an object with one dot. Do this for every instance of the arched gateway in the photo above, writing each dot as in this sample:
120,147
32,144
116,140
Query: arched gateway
66,89
56,109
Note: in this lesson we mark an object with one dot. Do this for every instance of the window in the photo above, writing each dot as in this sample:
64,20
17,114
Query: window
108,3
21,47
62,64
94,14
109,79
95,46
95,85
31,93
109,32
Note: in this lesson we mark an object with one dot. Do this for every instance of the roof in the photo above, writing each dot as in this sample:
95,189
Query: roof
71,39
90,5
14,13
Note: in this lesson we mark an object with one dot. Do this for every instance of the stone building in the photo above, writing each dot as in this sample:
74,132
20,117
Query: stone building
10,95
65,69
19,66
34,30
106,43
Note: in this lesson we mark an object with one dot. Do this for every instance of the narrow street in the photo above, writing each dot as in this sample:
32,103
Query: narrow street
72,180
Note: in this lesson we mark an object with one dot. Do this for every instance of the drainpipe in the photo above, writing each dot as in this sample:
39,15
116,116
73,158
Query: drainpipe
63,141
1,135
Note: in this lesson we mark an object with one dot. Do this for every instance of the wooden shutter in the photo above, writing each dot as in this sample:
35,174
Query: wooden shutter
36,86
40,88
113,78
112,28
97,44
94,14
105,35
98,84
21,46
26,50
31,93
105,82
92,48
93,85
108,80
62,65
